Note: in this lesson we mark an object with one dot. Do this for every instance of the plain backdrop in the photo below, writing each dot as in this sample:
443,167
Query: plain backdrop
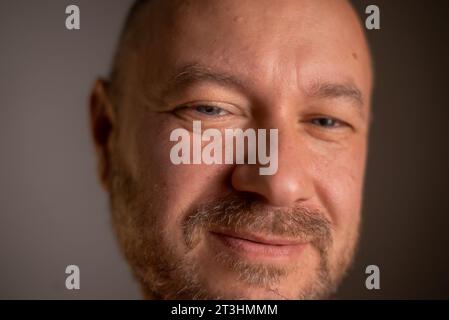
53,212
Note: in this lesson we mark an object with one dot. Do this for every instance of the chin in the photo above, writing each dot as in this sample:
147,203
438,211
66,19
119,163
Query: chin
228,286
257,294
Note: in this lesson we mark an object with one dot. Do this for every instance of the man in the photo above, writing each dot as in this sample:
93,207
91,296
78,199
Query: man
213,231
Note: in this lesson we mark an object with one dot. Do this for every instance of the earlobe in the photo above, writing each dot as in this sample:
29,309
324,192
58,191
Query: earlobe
102,122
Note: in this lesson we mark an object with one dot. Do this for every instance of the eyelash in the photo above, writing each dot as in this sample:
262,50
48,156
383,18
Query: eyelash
318,121
195,108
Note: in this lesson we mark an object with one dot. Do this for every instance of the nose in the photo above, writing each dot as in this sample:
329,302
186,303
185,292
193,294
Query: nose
291,183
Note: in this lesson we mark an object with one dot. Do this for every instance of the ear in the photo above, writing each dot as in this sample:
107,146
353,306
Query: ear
102,125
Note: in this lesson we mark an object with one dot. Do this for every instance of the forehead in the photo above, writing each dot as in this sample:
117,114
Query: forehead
267,43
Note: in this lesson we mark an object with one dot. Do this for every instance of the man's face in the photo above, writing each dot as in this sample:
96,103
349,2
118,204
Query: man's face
225,231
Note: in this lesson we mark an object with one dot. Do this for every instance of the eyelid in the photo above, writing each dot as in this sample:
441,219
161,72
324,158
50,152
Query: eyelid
340,124
192,109
209,106
230,109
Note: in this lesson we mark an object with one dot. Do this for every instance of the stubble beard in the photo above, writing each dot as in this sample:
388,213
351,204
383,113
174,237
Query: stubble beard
165,274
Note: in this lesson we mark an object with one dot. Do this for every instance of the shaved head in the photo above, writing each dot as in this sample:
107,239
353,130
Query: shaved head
139,26
224,231
126,44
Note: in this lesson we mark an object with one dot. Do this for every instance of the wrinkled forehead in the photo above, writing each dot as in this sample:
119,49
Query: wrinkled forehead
266,42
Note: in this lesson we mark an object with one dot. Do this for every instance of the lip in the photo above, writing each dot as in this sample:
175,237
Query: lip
257,246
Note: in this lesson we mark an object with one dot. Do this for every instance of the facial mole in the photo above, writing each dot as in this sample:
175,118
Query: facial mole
354,55
238,19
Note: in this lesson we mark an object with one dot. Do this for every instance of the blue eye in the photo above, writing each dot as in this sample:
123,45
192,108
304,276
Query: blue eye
326,122
210,110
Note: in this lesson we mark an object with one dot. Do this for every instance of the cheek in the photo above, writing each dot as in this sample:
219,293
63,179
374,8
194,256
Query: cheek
174,189
339,184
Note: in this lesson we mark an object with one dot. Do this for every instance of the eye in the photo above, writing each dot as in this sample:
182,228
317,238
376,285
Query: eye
210,110
207,111
326,122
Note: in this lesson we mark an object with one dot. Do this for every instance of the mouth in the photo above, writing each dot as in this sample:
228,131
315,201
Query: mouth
255,246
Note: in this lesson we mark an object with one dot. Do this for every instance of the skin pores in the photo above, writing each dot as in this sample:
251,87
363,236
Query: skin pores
225,231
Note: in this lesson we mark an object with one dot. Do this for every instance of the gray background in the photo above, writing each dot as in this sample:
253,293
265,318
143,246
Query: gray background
53,212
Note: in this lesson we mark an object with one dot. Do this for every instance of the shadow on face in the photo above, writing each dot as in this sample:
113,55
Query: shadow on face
225,230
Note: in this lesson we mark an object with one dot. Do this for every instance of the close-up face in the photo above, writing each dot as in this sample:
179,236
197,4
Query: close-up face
225,230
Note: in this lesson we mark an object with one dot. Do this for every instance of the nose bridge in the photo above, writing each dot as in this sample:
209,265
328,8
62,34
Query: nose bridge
291,182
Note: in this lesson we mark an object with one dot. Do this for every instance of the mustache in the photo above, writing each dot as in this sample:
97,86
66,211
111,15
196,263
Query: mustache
244,213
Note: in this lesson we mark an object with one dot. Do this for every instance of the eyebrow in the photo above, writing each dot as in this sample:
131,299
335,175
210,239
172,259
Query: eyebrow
191,73
336,90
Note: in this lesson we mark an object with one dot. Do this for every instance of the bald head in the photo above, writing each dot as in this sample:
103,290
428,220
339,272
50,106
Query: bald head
301,67
156,31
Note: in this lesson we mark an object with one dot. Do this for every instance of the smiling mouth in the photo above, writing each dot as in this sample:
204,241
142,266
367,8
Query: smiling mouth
258,246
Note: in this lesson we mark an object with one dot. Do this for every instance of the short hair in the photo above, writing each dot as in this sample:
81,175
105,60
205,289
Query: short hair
125,43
